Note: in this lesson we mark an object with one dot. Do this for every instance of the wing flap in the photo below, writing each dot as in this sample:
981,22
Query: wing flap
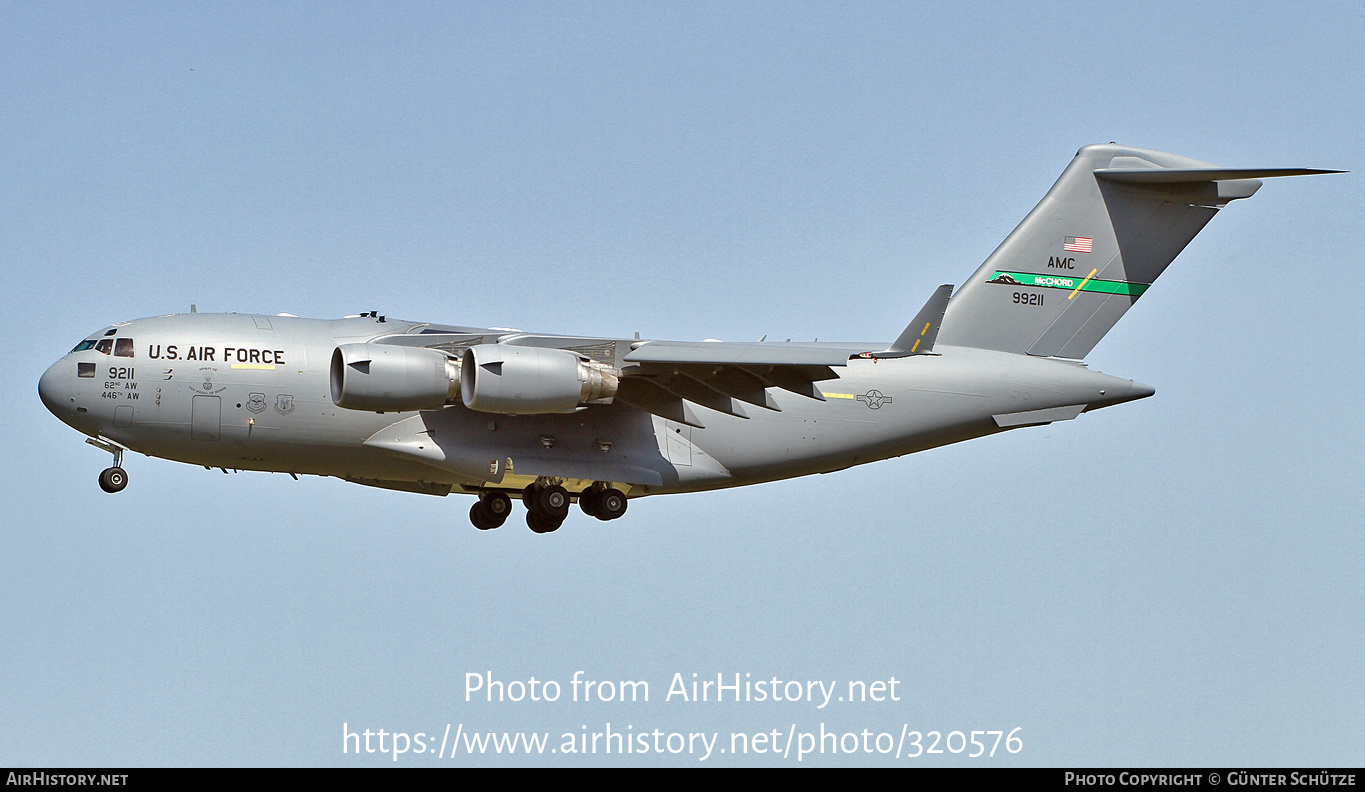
694,390
790,378
643,394
736,383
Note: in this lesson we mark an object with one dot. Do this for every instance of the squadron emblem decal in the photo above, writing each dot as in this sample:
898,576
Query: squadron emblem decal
284,404
207,387
256,403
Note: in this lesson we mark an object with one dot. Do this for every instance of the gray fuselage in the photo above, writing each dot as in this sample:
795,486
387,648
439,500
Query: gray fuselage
246,392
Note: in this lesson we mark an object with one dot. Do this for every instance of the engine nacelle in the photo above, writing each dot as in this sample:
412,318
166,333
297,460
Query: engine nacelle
389,378
519,380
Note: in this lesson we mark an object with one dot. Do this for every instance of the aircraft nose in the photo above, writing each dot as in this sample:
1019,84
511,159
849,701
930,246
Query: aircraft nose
51,390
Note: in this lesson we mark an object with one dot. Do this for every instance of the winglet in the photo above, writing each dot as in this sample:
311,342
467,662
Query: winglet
919,335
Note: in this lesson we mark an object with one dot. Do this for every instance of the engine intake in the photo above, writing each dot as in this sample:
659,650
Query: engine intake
517,380
388,378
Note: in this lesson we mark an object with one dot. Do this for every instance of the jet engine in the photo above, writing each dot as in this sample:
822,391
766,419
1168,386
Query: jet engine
388,378
518,380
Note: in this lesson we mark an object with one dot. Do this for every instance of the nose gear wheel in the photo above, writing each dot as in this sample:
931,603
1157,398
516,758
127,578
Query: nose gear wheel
113,479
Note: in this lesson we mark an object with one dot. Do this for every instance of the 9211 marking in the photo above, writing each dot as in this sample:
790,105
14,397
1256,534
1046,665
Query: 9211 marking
120,384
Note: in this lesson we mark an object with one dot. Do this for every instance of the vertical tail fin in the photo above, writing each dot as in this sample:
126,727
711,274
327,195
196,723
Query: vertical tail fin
1101,236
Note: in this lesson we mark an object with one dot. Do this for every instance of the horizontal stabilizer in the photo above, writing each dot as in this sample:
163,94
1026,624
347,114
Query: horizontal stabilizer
1193,175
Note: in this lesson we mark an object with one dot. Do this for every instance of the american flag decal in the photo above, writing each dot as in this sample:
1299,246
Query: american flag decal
1078,244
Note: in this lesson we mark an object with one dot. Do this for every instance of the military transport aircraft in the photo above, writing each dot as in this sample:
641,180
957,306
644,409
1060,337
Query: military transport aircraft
551,419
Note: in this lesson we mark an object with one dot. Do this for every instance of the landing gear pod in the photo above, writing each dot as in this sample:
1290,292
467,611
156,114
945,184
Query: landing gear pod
516,380
385,378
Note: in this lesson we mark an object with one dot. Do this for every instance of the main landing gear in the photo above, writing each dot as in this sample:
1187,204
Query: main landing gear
604,503
490,511
112,479
547,506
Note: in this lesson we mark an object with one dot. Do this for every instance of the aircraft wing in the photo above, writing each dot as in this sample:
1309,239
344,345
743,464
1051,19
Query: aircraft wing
740,354
661,377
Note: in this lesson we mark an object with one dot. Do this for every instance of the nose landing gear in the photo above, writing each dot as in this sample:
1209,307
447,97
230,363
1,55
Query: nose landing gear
112,479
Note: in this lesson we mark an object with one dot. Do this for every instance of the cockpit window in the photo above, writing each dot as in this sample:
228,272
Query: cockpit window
105,345
84,345
123,347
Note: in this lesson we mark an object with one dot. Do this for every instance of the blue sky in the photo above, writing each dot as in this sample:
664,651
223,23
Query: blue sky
1173,581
